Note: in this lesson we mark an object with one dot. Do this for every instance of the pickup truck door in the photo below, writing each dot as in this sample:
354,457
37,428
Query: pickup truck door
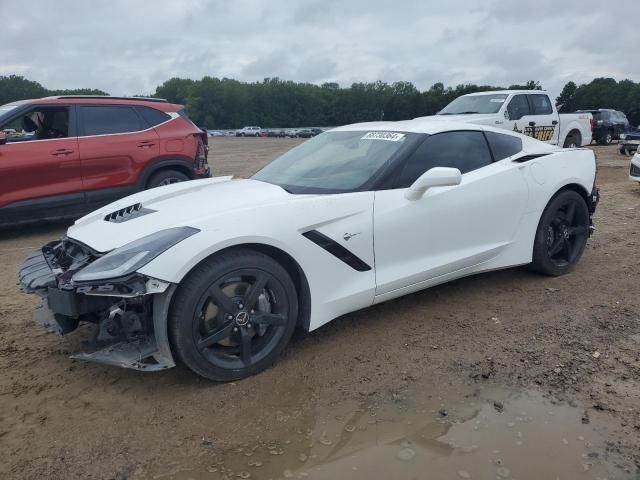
545,118
534,118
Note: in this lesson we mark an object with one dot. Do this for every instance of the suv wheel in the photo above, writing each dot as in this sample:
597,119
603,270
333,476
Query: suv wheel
166,177
608,138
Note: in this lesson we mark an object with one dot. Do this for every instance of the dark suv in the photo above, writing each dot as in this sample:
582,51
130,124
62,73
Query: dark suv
607,125
64,156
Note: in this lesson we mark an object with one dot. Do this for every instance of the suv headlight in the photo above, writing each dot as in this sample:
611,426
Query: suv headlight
132,256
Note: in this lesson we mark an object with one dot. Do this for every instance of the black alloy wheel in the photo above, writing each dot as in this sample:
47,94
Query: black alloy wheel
562,234
233,315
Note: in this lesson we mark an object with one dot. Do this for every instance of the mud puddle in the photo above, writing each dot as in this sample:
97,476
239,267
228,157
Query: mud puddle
492,434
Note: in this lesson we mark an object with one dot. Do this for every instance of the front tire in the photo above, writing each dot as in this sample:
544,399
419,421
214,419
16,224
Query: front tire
233,315
562,234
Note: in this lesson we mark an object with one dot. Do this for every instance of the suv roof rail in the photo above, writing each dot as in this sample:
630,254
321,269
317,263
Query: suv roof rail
109,97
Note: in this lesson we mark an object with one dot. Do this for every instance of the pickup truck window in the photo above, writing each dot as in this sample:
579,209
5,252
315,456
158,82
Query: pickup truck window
541,105
475,104
518,107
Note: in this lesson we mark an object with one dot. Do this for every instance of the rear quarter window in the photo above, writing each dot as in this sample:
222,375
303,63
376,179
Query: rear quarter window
106,120
503,146
152,116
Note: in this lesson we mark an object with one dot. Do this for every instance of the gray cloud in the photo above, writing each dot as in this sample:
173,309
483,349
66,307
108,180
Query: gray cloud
127,47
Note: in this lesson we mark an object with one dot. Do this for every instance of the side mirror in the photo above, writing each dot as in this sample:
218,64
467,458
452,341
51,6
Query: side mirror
435,177
3,138
506,115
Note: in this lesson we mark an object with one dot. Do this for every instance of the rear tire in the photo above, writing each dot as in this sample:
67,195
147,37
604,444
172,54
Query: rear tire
608,138
166,177
233,315
573,141
561,235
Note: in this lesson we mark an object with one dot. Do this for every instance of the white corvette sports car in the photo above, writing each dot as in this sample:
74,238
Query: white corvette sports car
219,272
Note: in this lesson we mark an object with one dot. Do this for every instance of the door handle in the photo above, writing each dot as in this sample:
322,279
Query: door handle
555,122
532,124
61,151
146,144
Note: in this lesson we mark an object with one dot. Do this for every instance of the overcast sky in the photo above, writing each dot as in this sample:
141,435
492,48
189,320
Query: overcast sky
129,46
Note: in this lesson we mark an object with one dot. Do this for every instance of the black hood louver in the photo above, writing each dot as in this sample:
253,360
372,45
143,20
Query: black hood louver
127,213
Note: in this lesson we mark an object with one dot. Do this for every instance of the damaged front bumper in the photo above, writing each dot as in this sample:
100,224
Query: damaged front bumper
130,314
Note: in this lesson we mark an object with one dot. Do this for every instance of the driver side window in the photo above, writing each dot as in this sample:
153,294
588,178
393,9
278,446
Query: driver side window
518,107
464,150
39,123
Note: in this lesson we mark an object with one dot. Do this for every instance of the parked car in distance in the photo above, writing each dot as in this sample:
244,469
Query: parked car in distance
608,124
82,152
249,132
524,111
308,132
215,133
629,142
276,133
291,133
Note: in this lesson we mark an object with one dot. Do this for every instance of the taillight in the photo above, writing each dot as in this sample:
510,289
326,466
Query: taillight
593,124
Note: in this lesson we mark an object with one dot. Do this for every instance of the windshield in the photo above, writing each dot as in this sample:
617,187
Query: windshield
335,162
6,109
475,104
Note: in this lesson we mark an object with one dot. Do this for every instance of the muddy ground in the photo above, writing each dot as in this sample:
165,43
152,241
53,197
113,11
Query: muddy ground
575,340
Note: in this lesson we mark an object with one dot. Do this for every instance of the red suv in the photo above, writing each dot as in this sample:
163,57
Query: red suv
64,156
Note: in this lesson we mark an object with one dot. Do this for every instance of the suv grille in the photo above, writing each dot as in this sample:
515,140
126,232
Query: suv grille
634,171
127,213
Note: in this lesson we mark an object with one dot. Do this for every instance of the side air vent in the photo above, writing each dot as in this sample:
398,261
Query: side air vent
526,158
127,213
337,250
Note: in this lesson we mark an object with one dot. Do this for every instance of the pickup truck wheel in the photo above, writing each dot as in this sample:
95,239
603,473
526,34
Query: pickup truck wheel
166,177
233,315
562,234
572,141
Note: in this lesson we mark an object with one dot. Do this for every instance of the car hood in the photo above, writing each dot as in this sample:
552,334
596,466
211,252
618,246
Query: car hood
183,204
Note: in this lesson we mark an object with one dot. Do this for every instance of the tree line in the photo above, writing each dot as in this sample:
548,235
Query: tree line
221,103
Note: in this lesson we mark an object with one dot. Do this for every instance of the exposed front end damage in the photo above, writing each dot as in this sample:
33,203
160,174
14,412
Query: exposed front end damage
129,313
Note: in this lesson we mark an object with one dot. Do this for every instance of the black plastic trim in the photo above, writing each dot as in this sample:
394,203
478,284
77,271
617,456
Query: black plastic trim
337,250
526,158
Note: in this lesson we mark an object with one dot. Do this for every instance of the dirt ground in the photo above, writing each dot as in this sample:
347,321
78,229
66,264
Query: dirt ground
575,339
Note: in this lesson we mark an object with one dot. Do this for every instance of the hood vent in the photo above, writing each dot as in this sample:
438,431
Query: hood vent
127,213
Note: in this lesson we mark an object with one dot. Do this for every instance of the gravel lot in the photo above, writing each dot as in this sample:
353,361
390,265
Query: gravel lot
575,340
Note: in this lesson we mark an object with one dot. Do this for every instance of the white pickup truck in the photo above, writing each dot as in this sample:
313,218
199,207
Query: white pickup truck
526,111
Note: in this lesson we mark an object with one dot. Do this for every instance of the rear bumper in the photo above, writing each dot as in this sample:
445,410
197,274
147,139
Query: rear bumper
204,172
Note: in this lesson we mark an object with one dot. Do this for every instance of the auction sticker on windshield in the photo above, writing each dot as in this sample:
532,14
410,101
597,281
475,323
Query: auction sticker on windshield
388,136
